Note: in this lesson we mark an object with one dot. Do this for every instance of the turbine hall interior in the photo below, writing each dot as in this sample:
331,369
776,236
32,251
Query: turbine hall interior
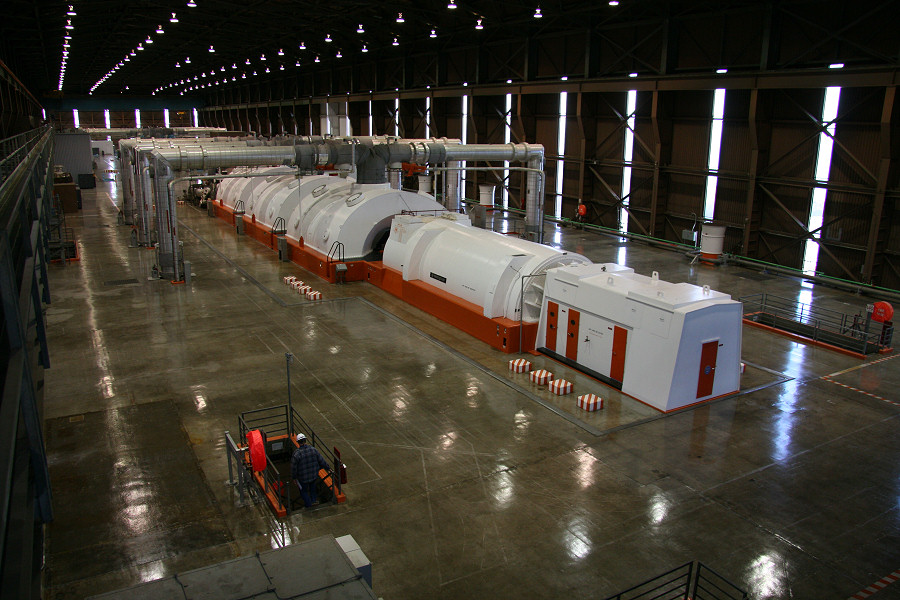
449,299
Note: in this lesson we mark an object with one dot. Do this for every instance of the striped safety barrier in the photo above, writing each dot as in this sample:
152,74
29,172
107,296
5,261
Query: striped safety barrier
560,387
590,402
313,295
541,377
520,365
289,279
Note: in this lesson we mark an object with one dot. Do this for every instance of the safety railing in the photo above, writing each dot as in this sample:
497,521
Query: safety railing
857,332
671,585
25,494
284,421
690,581
13,150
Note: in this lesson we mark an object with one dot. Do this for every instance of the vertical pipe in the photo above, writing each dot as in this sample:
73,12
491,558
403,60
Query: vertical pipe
534,200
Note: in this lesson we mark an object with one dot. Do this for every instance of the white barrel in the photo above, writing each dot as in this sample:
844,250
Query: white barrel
425,183
712,240
486,195
479,266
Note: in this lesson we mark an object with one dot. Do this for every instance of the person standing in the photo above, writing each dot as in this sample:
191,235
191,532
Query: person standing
305,464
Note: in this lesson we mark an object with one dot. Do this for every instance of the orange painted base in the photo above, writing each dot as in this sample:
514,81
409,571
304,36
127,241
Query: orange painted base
298,253
500,333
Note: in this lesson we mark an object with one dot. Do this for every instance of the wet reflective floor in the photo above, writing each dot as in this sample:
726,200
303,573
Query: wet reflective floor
464,480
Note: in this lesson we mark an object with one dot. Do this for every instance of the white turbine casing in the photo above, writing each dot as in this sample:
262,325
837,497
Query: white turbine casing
479,266
322,209
233,190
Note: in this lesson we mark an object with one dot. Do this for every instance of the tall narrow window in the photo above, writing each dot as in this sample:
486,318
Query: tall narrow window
106,118
165,117
715,148
347,128
823,171
44,113
397,117
631,106
371,120
196,118
75,118
465,140
427,116
327,119
507,137
137,118
561,152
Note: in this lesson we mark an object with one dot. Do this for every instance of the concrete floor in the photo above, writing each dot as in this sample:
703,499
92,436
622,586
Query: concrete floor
465,480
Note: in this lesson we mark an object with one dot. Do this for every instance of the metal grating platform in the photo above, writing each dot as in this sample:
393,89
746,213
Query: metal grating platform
316,568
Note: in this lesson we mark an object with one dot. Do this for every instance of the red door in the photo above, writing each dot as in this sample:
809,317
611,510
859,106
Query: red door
572,335
552,317
617,365
707,368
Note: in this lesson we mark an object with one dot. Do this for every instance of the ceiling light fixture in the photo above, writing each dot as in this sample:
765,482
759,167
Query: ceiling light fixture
211,49
317,59
149,40
302,45
451,4
364,48
537,13
139,47
360,29
69,24
192,4
281,67
478,25
721,71
400,18
174,19
328,37
262,57
71,12
433,33
297,64
187,60
396,42
178,65
247,62
159,29
613,2
339,55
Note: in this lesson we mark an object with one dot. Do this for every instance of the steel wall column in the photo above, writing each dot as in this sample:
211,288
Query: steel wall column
884,167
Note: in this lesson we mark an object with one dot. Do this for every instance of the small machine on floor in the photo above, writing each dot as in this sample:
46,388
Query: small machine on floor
262,455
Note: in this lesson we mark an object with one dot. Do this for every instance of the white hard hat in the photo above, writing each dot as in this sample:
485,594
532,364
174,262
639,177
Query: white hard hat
301,437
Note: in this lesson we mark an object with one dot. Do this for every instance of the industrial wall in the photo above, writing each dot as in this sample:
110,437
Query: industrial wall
777,60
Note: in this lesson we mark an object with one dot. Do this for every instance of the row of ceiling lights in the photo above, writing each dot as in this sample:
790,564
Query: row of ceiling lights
479,25
302,46
139,48
67,43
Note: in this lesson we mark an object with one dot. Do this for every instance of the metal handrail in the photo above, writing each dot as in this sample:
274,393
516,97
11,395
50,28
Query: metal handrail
680,588
14,149
855,329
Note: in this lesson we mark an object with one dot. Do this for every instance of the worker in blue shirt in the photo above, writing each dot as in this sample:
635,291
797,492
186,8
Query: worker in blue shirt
305,464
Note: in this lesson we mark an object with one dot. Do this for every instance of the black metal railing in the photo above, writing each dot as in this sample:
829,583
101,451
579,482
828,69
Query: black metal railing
690,581
855,332
671,585
280,420
26,181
